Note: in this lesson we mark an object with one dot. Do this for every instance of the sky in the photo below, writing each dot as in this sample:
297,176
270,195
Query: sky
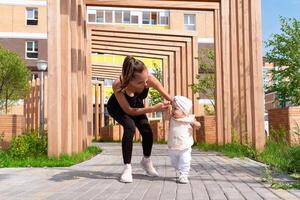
272,9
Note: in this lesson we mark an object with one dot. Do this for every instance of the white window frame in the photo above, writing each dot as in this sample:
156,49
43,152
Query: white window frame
157,18
32,51
136,11
189,24
114,17
148,16
92,12
164,14
129,17
35,10
138,14
103,17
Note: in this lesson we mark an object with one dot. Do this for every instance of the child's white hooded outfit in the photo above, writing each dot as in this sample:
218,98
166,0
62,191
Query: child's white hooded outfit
180,138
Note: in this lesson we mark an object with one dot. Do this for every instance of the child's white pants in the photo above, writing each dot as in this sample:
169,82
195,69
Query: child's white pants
181,160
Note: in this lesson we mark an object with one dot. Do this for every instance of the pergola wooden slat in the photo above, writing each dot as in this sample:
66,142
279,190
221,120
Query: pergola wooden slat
177,42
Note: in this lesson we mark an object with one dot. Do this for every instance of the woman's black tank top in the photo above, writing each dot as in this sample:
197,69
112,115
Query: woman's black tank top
135,101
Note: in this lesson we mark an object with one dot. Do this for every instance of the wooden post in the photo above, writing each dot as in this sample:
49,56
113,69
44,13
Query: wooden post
96,111
101,89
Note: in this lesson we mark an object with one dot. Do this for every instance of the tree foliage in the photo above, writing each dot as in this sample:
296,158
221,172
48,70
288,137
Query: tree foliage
205,80
13,78
155,97
284,52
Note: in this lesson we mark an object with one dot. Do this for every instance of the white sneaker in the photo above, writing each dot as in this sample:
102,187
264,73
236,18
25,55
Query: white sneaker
147,165
183,179
126,176
177,174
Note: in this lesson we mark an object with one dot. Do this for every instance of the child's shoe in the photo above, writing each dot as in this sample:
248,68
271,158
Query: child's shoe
147,165
126,176
183,179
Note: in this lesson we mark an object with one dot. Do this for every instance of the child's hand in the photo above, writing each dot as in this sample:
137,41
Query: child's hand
196,125
167,102
167,113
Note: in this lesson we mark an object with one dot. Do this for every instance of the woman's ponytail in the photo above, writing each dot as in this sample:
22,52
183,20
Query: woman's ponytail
130,67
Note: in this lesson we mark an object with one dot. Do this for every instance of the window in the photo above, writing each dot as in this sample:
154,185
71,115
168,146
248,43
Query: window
146,17
126,17
108,16
100,16
31,49
91,15
189,22
31,16
163,18
153,18
135,17
118,16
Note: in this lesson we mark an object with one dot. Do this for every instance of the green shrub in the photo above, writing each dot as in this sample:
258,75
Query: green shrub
279,136
294,153
1,138
28,145
276,155
279,154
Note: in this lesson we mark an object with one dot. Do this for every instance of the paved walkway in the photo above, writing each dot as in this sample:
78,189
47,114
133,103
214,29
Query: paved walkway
212,177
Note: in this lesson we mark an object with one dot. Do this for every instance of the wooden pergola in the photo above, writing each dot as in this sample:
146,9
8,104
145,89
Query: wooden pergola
239,86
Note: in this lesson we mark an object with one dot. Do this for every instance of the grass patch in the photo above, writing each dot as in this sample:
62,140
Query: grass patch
279,156
161,142
43,161
231,150
28,150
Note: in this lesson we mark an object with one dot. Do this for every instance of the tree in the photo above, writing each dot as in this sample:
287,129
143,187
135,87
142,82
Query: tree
155,97
13,78
205,80
284,51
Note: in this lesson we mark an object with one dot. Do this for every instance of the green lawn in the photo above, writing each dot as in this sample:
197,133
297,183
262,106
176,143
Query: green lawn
43,161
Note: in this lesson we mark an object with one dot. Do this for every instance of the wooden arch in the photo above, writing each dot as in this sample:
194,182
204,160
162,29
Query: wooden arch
239,86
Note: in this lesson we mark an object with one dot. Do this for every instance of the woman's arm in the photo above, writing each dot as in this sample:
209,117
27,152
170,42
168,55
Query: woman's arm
153,82
127,108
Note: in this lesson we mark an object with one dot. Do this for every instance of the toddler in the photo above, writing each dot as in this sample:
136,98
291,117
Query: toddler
180,137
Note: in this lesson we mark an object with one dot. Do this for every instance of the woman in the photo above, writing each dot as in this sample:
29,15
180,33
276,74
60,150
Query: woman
127,108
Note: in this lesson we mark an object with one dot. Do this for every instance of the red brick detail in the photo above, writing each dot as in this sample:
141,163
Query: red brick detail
288,119
11,125
207,132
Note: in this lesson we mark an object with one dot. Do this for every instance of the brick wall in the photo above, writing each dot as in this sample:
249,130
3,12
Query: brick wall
207,132
11,125
288,119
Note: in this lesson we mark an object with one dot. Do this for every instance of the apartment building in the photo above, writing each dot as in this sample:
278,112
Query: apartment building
200,22
23,29
270,97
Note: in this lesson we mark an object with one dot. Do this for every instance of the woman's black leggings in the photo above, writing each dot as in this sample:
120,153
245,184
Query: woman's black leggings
130,123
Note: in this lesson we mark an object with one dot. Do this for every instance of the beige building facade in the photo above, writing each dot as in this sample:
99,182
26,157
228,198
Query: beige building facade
23,29
199,22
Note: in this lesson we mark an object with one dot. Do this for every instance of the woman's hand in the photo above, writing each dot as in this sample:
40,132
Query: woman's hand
160,107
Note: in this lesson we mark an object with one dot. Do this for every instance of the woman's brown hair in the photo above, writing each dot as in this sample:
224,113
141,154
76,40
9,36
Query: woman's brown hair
130,67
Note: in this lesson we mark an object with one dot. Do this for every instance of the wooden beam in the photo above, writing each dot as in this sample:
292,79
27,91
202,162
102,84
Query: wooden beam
189,5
